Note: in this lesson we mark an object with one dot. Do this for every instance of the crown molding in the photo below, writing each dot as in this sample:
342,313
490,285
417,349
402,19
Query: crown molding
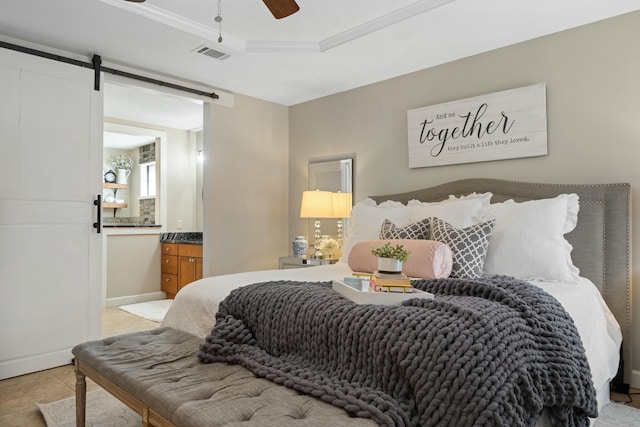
382,22
181,23
283,47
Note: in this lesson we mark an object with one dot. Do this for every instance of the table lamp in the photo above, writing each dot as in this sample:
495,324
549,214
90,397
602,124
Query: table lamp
317,204
342,204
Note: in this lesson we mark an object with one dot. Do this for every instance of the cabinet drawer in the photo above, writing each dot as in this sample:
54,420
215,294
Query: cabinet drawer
169,249
190,250
170,264
169,283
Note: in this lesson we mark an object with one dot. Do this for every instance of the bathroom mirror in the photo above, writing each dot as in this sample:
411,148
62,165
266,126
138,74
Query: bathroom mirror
331,175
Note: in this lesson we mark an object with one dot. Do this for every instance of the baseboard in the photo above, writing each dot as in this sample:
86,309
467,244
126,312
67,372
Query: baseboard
133,299
40,362
635,379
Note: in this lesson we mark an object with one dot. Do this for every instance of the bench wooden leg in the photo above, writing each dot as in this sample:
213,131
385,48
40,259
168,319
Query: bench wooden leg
81,396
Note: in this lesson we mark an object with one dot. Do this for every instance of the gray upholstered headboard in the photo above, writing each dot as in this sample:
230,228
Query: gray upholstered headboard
601,240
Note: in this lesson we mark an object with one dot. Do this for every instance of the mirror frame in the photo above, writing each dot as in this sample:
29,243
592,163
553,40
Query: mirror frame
339,165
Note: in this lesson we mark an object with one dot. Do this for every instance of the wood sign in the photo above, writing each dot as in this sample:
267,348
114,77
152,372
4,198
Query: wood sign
499,125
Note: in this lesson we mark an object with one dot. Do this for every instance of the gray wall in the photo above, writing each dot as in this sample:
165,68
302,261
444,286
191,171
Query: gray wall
246,180
593,109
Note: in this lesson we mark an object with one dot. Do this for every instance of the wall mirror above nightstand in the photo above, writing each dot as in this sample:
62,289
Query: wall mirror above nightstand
335,175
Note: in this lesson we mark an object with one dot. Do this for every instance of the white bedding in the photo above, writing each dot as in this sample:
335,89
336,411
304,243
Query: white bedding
195,307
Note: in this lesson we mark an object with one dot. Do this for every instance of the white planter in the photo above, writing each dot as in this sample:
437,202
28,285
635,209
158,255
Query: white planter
123,174
389,265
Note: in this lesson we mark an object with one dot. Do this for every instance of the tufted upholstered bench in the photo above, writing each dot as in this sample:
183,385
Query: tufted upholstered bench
157,374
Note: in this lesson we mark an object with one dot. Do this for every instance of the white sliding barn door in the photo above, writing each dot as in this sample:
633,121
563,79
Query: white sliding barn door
50,172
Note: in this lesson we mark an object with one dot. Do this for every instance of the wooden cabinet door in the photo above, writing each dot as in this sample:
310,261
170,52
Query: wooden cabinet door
190,270
169,283
169,264
198,268
169,249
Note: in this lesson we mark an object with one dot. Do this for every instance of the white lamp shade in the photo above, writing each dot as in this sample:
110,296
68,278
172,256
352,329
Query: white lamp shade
342,204
317,204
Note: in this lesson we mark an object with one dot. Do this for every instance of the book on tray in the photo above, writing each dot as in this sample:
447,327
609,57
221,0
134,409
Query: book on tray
391,282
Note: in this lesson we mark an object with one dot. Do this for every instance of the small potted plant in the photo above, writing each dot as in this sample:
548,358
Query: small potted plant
391,258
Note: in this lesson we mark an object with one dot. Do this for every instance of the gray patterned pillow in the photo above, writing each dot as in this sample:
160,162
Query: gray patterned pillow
414,231
469,245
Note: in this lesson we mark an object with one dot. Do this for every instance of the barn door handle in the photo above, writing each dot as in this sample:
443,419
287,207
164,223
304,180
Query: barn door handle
98,203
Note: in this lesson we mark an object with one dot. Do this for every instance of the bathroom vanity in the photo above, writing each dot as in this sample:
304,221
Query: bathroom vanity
181,261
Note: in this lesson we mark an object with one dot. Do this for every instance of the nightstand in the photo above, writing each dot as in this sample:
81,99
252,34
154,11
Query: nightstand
285,262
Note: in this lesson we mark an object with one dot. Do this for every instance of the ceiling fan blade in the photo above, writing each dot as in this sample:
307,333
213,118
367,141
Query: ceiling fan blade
282,8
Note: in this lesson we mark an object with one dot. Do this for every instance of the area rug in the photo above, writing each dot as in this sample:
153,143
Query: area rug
617,415
102,410
105,410
151,310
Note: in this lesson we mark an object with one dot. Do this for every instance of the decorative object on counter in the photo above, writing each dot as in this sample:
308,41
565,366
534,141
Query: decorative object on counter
110,176
391,258
328,246
300,247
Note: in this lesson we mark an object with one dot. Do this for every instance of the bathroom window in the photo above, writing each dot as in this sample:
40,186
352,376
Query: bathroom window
148,179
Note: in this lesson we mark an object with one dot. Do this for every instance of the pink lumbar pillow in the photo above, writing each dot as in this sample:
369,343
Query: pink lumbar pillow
428,260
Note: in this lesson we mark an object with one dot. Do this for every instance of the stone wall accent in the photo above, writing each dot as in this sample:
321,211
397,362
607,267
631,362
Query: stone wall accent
148,211
147,153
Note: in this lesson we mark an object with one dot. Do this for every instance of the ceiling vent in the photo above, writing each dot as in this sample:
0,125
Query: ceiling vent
207,51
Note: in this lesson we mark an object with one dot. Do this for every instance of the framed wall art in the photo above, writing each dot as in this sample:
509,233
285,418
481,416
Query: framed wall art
500,125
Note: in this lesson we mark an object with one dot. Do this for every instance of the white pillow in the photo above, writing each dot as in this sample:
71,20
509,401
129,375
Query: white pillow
459,212
485,198
366,221
528,239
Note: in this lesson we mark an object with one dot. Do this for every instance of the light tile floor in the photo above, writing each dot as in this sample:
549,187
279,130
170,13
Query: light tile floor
17,395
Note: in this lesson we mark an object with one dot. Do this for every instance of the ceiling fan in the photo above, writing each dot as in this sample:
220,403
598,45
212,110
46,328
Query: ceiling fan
279,8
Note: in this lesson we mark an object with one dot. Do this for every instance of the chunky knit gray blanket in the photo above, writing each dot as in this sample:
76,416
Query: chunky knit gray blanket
486,352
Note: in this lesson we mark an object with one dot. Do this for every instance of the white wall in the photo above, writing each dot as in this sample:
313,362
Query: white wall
593,105
133,261
199,183
181,180
247,186
133,267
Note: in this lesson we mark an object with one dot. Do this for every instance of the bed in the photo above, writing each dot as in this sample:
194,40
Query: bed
597,300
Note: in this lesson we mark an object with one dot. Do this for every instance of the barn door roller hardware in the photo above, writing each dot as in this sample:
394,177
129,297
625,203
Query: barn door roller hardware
96,65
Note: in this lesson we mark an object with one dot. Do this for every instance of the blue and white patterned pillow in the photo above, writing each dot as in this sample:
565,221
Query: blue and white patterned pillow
469,245
415,231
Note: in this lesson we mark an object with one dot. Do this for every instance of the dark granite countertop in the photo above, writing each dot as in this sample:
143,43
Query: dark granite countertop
130,225
192,238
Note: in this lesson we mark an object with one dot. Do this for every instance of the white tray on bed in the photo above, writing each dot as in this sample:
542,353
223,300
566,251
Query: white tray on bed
379,298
